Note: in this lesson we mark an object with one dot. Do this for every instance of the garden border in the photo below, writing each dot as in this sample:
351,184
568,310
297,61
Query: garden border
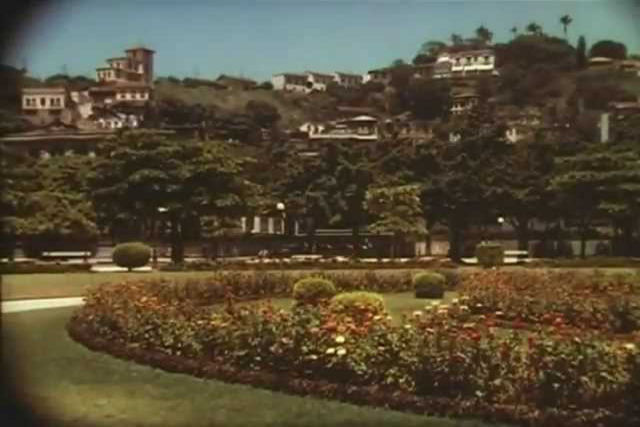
375,396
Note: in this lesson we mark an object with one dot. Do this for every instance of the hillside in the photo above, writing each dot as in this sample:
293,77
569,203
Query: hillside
294,108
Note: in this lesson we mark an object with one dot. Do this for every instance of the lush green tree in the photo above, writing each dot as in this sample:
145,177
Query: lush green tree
305,189
17,179
398,62
577,182
428,98
514,31
565,20
353,172
581,53
608,49
262,113
530,171
432,47
396,210
464,175
143,180
456,39
526,51
484,34
534,28
50,203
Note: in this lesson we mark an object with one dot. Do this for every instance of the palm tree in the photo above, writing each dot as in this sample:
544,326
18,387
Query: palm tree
514,31
534,28
456,39
565,20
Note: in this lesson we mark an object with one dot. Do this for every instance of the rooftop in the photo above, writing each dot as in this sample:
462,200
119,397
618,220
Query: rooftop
238,78
139,48
43,90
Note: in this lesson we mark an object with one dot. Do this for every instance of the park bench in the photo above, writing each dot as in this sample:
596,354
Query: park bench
516,254
66,254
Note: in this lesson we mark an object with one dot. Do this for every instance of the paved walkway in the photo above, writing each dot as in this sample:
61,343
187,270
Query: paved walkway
39,304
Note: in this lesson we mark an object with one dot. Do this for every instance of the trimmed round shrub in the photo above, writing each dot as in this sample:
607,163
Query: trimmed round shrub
429,285
131,255
313,289
490,254
358,304
451,277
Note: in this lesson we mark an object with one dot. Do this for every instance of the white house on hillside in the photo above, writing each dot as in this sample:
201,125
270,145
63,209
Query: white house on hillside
347,79
465,63
318,81
291,82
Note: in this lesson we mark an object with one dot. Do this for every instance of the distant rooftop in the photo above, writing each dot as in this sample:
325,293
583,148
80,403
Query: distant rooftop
43,90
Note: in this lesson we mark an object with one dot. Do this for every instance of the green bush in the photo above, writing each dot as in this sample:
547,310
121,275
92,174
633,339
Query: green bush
358,304
42,268
490,254
313,290
429,285
131,255
451,277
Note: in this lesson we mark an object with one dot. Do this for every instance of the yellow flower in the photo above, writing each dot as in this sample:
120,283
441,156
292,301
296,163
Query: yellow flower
417,313
630,346
339,339
341,351
330,350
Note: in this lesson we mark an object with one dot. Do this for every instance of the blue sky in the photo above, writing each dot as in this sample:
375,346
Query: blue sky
262,37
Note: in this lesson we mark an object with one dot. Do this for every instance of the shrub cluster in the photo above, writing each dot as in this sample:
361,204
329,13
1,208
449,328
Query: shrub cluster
312,290
429,285
361,306
490,254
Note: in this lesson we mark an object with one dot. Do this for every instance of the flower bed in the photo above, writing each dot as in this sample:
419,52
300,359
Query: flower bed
441,360
557,299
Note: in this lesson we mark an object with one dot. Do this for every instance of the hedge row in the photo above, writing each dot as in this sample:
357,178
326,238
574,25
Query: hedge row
32,268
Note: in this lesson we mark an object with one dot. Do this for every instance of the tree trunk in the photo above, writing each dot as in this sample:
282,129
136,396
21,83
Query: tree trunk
311,236
455,239
177,245
522,232
583,239
628,237
393,247
355,233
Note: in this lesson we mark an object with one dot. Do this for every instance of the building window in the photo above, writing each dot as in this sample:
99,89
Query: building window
43,102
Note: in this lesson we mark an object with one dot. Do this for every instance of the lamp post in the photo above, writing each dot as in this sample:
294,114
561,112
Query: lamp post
500,221
281,208
161,210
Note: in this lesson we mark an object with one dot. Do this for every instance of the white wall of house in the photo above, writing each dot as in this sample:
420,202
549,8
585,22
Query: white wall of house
43,101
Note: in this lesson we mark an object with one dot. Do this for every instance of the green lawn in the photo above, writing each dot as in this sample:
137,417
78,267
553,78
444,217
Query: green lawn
24,286
397,304
73,386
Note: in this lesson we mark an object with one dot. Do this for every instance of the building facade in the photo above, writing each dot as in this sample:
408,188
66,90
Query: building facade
136,66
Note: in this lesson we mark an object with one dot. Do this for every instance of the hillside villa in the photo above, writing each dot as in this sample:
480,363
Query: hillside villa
310,81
